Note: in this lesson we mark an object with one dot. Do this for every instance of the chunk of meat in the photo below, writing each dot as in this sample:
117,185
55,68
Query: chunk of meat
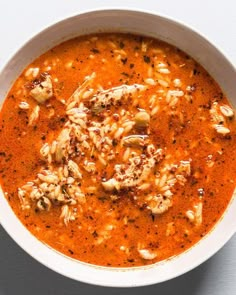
67,214
42,91
147,254
112,96
195,215
78,93
159,204
34,115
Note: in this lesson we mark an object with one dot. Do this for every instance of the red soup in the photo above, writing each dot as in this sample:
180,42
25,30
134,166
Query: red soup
117,150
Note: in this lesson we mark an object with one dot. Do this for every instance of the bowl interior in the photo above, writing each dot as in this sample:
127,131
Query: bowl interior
141,23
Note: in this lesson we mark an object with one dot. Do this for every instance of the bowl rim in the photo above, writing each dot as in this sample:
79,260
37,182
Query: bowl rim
32,239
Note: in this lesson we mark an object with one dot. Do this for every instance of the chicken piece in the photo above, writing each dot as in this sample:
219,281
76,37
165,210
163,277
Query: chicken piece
147,254
42,91
78,93
159,204
112,96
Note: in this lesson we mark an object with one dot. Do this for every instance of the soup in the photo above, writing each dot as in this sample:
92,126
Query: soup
117,150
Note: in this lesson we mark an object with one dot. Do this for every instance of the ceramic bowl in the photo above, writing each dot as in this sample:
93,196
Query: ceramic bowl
142,23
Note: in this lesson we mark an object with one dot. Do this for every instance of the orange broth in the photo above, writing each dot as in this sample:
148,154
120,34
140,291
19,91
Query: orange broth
126,225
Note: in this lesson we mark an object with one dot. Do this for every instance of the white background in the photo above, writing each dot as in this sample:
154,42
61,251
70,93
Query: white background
21,19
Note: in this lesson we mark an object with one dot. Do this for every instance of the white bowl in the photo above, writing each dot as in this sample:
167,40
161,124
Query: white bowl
143,23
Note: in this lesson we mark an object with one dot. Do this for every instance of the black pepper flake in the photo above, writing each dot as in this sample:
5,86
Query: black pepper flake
228,137
114,142
71,252
194,181
102,198
146,59
125,74
94,50
95,234
124,60
122,45
131,66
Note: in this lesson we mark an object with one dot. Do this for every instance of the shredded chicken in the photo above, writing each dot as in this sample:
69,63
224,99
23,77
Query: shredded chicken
67,214
43,91
78,93
112,96
195,215
34,115
159,203
147,254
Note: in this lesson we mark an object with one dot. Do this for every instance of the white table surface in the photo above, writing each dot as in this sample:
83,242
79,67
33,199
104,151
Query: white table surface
19,20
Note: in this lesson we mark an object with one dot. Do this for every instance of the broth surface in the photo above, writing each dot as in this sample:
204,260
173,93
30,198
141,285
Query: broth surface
117,150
